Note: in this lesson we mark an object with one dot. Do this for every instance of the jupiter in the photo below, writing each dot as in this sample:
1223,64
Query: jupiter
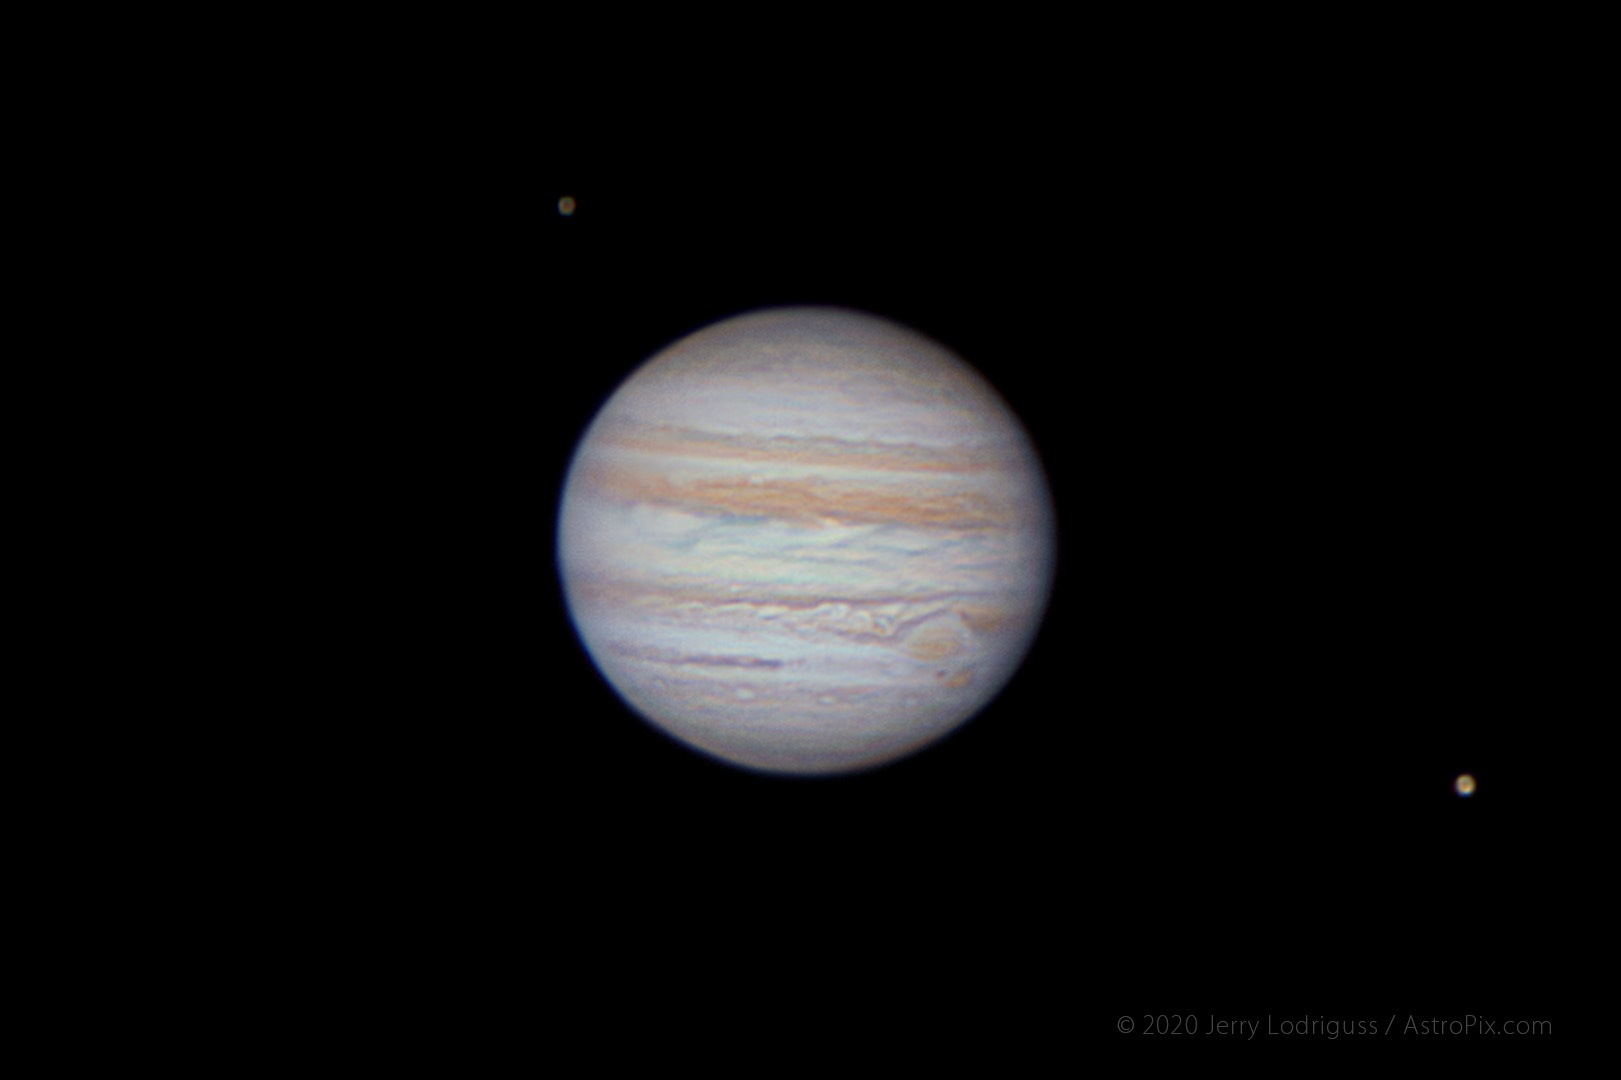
806,541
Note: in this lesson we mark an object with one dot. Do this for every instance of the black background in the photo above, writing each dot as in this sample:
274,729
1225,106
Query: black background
1301,356
1302,372
1292,390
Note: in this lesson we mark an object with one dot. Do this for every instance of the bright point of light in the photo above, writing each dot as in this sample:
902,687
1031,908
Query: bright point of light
565,205
1464,785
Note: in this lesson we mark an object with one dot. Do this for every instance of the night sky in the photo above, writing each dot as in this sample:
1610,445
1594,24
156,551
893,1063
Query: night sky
1303,351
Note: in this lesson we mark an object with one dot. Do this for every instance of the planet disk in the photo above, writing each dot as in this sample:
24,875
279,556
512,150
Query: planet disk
806,540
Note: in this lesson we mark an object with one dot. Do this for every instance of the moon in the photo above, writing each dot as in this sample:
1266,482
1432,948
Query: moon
806,541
